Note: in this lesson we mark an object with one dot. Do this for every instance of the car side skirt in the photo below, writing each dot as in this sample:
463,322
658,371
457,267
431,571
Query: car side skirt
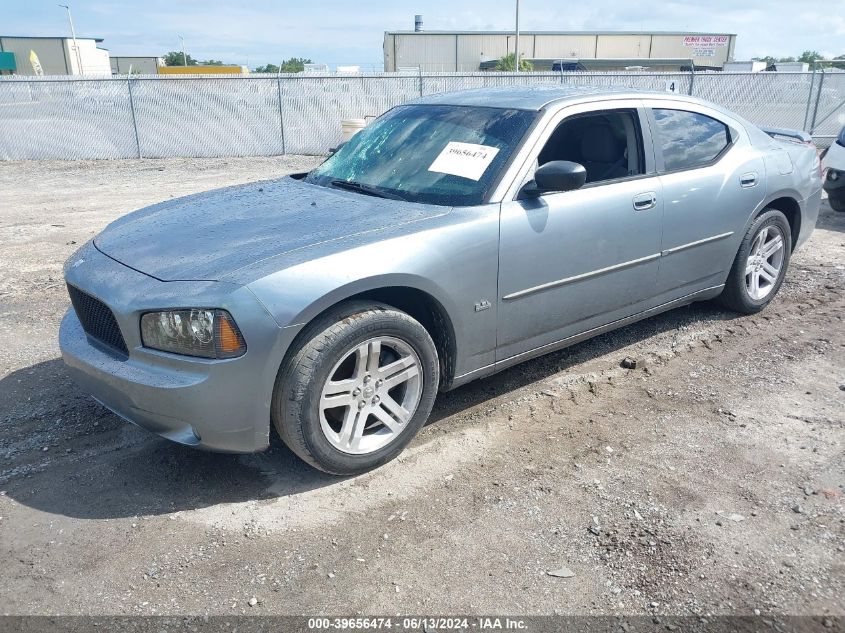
488,370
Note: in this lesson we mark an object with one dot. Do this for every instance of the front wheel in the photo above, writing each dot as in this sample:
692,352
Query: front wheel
837,204
760,265
358,389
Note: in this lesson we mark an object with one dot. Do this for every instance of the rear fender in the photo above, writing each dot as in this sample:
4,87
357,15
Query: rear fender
806,217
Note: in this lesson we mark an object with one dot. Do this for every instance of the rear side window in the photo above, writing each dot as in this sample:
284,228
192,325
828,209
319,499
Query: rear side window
689,139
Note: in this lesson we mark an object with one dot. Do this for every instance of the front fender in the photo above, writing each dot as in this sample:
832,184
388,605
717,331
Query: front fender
456,266
309,304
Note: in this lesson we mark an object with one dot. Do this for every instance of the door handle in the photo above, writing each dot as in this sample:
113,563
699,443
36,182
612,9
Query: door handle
645,201
748,180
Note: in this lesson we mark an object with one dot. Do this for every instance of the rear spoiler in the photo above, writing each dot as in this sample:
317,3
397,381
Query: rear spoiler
794,135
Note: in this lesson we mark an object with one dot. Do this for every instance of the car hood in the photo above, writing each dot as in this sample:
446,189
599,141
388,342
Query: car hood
210,235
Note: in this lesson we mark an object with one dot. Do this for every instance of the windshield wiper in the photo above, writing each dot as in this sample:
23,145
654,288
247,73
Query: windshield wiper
367,190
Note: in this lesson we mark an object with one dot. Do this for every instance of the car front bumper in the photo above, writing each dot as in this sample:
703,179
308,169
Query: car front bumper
221,405
834,183
834,163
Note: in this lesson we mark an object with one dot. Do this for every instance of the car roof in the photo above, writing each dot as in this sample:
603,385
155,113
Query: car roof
539,96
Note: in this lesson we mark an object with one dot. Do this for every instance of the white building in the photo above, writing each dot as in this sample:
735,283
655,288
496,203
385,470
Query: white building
122,65
745,67
792,67
57,55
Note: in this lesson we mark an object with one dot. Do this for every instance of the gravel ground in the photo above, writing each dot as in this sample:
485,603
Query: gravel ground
707,480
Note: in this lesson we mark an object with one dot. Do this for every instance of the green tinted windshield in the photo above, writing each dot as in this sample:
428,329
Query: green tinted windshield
435,154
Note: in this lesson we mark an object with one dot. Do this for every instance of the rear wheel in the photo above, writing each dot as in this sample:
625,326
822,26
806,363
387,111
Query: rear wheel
760,265
358,389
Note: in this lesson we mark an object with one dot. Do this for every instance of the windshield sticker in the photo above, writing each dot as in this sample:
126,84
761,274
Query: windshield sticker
466,160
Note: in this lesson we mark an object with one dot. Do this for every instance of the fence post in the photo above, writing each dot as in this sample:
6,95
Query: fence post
281,116
691,76
809,97
421,83
132,109
818,99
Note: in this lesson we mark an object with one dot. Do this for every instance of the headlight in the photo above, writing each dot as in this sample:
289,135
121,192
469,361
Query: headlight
197,332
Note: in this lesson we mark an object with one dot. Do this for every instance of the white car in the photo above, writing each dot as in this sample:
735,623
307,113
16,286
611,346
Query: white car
834,163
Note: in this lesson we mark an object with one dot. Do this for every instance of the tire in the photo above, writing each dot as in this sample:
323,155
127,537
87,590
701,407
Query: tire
837,204
737,294
341,346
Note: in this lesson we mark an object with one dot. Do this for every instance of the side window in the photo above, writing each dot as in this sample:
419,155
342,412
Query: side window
689,139
608,144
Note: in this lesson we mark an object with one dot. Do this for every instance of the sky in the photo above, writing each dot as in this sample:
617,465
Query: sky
257,32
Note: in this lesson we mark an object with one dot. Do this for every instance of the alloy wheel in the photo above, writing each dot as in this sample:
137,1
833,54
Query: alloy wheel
764,263
371,395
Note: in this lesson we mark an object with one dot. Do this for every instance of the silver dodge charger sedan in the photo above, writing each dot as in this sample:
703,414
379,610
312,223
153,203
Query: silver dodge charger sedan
455,236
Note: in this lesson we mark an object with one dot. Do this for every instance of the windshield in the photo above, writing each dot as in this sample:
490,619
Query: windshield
435,154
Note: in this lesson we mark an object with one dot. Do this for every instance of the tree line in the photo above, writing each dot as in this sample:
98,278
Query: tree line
807,57
292,65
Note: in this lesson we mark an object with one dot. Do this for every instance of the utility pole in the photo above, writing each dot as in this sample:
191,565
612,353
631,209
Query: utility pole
516,45
73,36
184,57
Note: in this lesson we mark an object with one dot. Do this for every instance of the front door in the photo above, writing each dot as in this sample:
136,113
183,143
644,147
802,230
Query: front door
576,260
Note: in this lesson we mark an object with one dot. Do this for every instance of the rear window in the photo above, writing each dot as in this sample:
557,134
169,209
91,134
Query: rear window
689,139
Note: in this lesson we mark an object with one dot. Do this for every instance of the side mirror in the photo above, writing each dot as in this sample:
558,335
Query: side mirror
554,176
333,150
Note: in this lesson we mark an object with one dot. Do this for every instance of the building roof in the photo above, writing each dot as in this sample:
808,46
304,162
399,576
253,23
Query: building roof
48,37
558,33
533,97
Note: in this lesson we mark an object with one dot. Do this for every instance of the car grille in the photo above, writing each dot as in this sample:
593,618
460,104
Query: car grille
97,320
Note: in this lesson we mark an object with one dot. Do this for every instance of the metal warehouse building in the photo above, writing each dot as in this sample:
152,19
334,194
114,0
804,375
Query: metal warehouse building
56,55
138,65
469,50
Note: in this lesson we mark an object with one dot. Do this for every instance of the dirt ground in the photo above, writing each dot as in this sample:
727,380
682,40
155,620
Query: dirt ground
708,480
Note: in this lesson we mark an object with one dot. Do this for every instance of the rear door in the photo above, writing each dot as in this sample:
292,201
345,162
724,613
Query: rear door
712,179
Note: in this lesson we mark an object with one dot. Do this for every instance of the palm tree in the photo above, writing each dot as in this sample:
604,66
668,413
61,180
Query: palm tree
506,64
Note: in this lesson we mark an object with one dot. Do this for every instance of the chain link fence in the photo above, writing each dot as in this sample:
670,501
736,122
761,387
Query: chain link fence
265,115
